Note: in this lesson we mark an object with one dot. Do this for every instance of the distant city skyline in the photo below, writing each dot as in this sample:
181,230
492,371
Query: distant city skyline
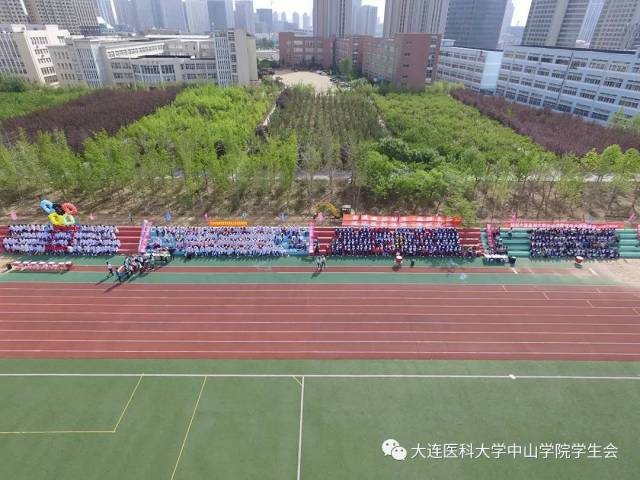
306,6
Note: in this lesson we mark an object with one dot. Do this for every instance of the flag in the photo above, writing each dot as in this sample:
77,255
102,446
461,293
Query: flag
632,217
206,217
91,217
283,217
167,216
12,215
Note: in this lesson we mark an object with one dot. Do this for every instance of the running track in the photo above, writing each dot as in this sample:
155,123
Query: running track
56,320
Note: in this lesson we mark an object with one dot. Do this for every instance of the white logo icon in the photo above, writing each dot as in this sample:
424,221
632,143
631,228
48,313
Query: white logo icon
392,448
399,453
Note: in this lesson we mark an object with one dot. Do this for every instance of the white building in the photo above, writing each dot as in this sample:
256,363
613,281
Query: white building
477,69
227,58
24,51
591,83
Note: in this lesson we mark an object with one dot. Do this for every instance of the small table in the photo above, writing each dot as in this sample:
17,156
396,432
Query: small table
489,258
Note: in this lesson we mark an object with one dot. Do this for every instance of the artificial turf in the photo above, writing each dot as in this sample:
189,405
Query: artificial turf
235,427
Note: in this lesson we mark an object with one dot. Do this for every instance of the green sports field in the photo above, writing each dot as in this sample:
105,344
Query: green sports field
95,419
315,420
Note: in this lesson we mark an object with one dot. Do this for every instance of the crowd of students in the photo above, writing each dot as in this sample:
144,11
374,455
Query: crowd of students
92,240
231,241
431,242
571,242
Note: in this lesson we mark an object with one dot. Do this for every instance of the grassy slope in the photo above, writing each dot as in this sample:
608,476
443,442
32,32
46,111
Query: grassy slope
16,104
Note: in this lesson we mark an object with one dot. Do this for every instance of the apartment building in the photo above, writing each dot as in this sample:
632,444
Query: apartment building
477,69
406,61
301,50
13,11
67,14
25,51
554,23
414,16
593,84
618,25
332,18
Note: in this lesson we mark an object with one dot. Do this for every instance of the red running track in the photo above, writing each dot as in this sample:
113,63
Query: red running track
55,320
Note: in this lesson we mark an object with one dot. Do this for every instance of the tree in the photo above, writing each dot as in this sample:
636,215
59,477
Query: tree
345,67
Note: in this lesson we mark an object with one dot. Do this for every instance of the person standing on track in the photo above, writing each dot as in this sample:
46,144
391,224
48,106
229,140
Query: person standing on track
323,262
109,270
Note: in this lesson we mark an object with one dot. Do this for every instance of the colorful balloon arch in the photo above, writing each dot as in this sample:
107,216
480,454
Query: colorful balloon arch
60,215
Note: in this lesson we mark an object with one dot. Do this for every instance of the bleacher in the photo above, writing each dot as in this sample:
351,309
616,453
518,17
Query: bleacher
629,244
519,244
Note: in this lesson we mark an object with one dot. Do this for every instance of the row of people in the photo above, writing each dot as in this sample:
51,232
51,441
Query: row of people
433,242
231,241
571,242
77,240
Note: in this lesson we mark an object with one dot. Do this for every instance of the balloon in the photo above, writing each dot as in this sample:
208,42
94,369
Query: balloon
70,208
58,209
47,206
56,219
68,219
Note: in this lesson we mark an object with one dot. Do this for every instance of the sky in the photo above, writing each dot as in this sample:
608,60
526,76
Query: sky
301,6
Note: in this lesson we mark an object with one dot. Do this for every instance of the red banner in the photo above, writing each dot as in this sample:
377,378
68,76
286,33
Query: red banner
376,221
559,224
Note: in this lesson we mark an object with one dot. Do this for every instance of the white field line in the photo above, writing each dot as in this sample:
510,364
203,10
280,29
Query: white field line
126,407
584,304
267,322
300,428
318,332
329,376
593,272
324,314
60,432
186,435
234,341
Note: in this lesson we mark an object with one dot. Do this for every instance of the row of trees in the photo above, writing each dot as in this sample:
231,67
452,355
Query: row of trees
488,168
203,142
85,116
549,128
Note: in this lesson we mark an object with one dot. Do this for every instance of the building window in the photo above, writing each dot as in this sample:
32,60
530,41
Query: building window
629,102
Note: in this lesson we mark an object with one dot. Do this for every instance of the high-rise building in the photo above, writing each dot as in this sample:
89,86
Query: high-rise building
170,15
221,14
67,14
475,23
506,22
332,18
106,10
366,20
415,16
306,21
264,20
554,23
12,11
125,12
295,19
618,26
590,21
196,15
355,5
245,17
24,51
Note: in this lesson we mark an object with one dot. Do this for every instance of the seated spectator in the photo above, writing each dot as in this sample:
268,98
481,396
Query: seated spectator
74,240
590,243
432,242
231,241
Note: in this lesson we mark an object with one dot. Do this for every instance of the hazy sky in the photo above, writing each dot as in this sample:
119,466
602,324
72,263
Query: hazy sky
300,6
